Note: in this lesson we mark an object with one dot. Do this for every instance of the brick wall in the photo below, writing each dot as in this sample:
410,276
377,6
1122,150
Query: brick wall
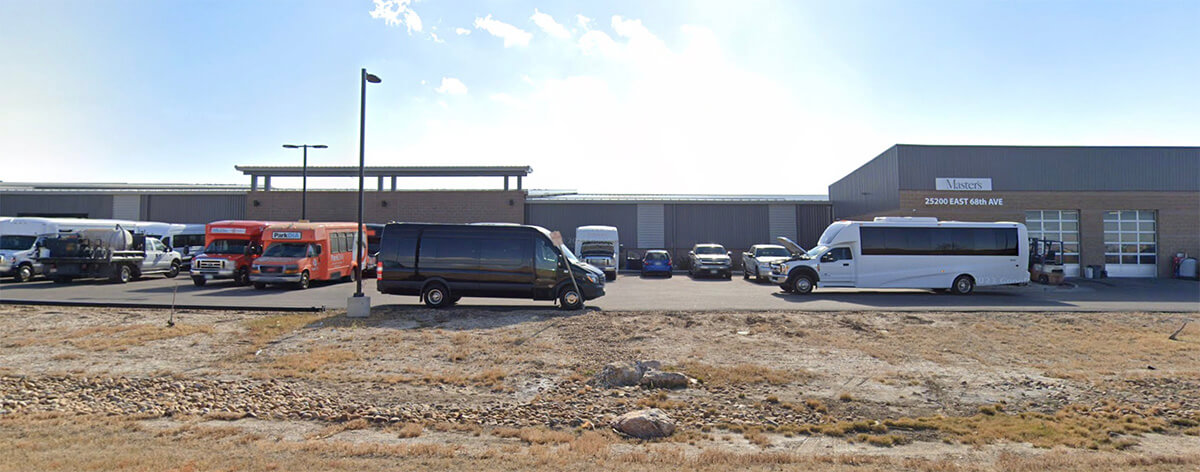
433,206
1178,215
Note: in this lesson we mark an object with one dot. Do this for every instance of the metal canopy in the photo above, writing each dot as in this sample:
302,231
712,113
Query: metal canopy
381,172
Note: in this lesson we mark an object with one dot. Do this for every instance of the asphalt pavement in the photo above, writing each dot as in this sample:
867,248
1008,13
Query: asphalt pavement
632,293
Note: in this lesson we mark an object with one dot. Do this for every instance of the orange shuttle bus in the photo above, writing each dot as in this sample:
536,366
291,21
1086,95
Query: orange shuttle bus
299,253
231,246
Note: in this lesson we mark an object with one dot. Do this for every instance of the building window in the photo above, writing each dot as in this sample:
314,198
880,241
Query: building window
1057,225
1130,240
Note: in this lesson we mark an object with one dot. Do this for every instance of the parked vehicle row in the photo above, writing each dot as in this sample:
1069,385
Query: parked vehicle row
114,253
21,236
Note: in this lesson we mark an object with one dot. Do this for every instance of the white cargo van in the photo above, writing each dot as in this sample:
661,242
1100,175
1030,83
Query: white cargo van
910,252
599,246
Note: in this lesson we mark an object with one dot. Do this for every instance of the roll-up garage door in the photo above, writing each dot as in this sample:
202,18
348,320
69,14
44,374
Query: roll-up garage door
1130,243
1058,225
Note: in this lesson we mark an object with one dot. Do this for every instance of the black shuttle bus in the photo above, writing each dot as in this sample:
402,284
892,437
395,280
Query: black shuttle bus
443,263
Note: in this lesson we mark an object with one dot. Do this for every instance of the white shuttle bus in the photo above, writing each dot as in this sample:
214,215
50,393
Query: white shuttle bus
910,252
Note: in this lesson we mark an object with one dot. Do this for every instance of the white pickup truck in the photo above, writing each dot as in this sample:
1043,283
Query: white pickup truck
756,262
115,254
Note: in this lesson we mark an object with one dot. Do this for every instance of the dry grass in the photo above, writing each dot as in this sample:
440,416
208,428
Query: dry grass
741,374
410,430
53,443
261,330
316,362
110,338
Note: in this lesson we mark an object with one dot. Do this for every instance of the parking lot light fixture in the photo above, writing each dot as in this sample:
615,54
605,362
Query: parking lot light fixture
304,176
359,305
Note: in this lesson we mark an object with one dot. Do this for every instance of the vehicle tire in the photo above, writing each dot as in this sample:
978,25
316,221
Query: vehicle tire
1043,279
24,273
643,274
610,277
963,285
801,284
122,274
303,283
569,298
241,276
746,274
436,295
669,274
173,271
260,285
199,281
729,275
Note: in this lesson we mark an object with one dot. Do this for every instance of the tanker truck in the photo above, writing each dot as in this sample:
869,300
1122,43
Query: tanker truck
116,254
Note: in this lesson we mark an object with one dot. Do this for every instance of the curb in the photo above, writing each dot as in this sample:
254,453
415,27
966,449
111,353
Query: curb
161,306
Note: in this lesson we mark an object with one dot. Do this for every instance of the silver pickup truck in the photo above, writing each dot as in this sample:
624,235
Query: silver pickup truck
757,261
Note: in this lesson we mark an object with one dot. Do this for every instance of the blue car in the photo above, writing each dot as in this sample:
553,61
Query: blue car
657,262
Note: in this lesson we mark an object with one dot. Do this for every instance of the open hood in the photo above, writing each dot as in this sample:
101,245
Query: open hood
791,245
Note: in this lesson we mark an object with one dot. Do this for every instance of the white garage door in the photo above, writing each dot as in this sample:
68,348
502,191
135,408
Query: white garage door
1130,246
1058,225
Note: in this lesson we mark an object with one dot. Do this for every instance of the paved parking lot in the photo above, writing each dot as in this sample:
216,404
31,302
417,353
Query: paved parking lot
630,292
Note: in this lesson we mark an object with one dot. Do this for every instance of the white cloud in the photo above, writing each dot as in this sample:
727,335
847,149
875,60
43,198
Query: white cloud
584,22
512,35
435,37
462,31
687,112
397,12
547,24
452,86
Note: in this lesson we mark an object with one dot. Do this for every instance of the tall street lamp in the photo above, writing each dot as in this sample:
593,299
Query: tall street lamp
359,305
304,173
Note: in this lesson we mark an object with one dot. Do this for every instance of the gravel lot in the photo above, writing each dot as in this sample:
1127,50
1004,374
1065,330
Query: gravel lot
513,388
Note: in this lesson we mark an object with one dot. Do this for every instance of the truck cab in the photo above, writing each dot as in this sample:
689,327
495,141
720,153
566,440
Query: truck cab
232,246
599,246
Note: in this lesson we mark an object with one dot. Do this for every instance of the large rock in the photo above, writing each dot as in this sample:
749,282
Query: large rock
624,375
645,424
654,378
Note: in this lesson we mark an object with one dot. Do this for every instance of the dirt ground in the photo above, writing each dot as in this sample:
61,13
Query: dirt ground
409,388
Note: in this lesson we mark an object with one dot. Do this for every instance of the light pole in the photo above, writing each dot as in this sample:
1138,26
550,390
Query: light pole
358,305
304,178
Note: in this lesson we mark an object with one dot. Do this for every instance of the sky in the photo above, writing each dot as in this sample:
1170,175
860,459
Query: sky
754,97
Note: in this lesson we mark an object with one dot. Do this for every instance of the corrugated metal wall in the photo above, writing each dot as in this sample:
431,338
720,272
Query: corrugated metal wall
192,208
1021,168
651,225
874,187
127,207
88,206
811,221
565,217
782,221
733,226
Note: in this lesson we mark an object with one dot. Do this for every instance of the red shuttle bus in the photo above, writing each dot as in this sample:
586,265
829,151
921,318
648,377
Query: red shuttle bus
230,249
299,253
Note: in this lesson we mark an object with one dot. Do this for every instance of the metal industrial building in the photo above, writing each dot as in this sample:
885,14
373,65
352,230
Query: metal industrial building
1129,210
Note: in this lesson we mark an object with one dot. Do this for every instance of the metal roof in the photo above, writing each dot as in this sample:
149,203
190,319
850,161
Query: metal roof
118,187
543,196
418,171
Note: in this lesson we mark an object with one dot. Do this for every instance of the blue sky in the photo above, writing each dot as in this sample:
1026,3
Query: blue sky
623,96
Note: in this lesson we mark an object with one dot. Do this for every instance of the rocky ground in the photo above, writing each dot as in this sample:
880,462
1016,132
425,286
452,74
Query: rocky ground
533,388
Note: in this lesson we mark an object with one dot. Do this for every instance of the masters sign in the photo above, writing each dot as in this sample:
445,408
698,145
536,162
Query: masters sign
955,183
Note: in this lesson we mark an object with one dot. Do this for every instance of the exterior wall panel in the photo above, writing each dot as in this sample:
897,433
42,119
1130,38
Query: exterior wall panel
86,205
564,218
450,206
650,226
873,187
811,221
782,222
1068,169
189,209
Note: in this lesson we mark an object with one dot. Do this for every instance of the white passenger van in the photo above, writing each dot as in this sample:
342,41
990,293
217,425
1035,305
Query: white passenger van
910,252
19,236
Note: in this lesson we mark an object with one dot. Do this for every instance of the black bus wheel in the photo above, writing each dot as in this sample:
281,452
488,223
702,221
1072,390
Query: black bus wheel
570,299
436,295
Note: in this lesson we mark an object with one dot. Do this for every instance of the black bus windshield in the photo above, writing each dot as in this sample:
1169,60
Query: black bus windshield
287,250
227,246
